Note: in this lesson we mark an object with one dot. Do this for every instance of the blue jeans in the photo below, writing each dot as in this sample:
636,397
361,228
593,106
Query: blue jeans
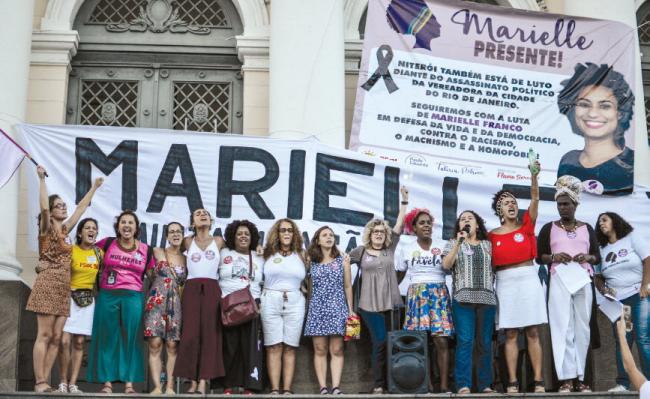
640,333
378,326
473,321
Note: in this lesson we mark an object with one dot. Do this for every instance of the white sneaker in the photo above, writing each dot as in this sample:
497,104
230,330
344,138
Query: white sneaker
618,388
63,387
74,389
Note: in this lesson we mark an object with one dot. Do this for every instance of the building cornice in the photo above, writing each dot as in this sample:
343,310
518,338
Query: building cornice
54,47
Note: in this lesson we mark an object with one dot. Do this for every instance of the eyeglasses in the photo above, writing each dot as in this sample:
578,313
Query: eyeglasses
286,230
379,232
175,232
60,205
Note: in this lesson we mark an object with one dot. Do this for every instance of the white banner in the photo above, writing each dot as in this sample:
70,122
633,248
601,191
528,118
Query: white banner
163,174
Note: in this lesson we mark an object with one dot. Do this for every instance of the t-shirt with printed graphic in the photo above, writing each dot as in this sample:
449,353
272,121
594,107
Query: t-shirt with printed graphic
123,270
83,268
622,264
423,265
233,272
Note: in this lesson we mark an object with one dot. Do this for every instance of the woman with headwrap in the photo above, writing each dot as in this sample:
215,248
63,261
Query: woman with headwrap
561,244
522,303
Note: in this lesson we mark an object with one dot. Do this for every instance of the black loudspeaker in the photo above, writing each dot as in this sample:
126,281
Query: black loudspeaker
408,364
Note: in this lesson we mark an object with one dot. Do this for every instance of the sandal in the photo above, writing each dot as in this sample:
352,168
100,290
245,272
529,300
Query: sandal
582,387
540,387
274,392
336,391
47,388
107,389
324,391
488,390
378,391
287,392
512,387
464,391
129,391
566,387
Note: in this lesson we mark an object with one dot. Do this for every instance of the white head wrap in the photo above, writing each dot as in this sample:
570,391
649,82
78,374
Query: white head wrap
568,185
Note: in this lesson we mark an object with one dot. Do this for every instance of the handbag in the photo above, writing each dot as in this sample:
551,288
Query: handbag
239,306
83,297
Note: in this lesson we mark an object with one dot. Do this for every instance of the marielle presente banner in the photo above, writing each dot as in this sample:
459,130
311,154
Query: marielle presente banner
466,88
162,174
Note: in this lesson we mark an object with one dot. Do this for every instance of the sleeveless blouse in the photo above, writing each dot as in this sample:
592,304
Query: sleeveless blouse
203,264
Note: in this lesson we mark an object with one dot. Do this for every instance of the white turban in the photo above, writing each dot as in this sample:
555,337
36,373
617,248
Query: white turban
568,185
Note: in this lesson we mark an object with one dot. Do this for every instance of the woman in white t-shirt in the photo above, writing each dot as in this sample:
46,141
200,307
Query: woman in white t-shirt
282,301
240,268
428,301
625,273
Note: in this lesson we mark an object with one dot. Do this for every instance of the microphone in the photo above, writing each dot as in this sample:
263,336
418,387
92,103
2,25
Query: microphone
466,229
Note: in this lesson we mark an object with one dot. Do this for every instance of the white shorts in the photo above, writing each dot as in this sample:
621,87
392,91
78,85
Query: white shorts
282,319
80,321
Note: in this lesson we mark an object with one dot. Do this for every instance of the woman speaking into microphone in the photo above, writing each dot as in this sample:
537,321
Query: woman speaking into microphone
469,256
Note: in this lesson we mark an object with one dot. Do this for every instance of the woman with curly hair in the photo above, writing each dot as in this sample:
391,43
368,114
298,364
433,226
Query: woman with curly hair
241,268
428,305
200,352
522,303
116,351
282,302
625,274
469,255
379,292
50,296
330,304
162,311
599,105
565,243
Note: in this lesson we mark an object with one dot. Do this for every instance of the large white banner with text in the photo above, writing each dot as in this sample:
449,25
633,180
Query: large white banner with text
163,174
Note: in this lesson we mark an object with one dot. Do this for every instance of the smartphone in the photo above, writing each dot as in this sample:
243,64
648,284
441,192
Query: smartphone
627,315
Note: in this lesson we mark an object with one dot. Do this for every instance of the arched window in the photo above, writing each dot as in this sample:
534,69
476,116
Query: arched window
157,63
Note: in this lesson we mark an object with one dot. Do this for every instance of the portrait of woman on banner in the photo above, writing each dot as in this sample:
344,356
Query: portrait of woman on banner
599,105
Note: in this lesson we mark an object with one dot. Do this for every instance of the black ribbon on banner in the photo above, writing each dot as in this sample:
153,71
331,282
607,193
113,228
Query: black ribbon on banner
382,70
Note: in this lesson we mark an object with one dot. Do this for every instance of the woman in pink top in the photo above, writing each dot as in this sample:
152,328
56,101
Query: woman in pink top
562,245
116,352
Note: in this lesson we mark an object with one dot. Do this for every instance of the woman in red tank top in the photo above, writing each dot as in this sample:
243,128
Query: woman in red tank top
518,287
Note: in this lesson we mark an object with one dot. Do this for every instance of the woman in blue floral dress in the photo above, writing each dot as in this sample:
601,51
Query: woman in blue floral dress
162,317
330,305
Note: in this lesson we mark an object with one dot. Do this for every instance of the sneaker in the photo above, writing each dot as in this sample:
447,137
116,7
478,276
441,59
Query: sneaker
618,388
72,388
63,387
228,391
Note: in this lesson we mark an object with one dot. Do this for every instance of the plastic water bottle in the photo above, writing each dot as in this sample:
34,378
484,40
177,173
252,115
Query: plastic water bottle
532,157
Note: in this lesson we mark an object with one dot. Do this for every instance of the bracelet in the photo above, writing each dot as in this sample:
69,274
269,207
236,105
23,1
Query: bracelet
552,258
404,202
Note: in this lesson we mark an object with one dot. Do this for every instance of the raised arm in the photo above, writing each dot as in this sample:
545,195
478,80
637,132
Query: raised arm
43,201
83,205
399,223
636,377
534,193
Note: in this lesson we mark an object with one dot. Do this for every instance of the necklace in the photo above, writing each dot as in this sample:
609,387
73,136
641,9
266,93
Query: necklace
285,253
570,233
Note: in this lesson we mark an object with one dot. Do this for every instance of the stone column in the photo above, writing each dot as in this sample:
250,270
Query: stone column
15,49
307,86
625,12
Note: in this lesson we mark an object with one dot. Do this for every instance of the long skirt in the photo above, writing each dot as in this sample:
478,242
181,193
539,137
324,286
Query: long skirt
522,301
244,355
200,353
116,352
